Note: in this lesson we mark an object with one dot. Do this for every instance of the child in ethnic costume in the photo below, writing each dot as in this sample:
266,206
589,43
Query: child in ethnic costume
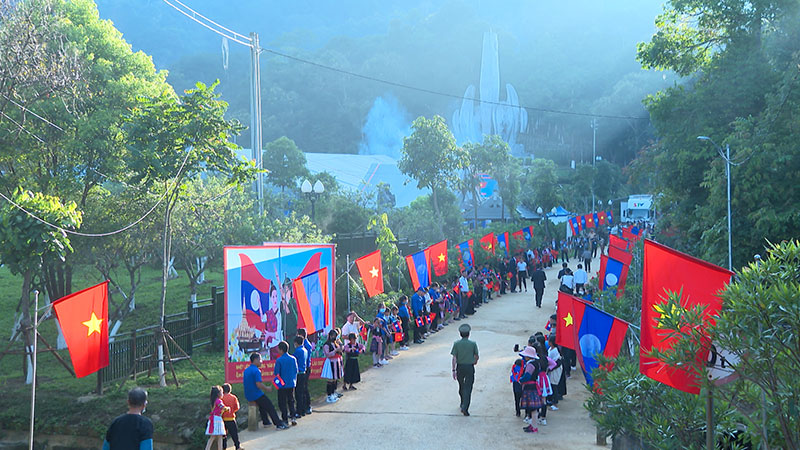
351,351
215,430
332,368
530,400
376,345
516,386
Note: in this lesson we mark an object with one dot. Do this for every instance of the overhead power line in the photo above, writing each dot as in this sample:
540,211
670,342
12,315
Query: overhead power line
110,233
228,33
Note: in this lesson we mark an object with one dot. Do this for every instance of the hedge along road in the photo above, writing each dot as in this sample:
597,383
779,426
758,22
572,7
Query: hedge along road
413,403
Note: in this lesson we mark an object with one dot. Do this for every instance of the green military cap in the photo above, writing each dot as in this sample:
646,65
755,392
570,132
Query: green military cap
464,328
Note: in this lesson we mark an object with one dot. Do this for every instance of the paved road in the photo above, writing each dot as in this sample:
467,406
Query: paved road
413,402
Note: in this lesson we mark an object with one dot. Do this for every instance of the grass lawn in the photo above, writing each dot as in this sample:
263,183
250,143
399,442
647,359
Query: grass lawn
66,405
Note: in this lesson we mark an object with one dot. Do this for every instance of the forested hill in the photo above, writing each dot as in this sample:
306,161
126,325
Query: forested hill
577,56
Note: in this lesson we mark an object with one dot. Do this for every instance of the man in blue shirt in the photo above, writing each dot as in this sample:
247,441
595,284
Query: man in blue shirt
301,390
309,349
402,313
286,369
418,306
254,392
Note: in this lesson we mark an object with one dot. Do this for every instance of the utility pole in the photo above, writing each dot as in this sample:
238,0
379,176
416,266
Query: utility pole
255,117
594,159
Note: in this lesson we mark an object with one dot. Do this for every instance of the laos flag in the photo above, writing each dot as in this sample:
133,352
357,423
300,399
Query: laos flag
467,257
598,333
503,242
311,292
583,222
528,232
574,225
612,273
418,269
610,217
255,293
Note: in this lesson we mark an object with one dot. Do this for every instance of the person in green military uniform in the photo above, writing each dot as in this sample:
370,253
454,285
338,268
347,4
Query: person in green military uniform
465,356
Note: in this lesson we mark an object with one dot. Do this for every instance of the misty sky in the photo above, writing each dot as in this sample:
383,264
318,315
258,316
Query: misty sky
567,55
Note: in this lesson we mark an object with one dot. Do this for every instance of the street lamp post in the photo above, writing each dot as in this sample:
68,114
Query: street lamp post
727,157
540,211
313,193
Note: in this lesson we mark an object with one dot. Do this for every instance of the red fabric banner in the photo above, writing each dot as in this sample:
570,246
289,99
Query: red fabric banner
83,317
370,267
699,282
438,253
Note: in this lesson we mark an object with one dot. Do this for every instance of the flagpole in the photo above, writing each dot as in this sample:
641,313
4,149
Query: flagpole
33,360
347,264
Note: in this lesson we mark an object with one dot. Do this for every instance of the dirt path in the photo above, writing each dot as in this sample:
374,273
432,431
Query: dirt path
413,402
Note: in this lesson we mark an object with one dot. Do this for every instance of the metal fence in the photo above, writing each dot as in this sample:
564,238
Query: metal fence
135,353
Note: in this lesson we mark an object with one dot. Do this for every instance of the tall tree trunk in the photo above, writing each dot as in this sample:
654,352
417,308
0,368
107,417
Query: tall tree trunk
165,254
475,198
438,213
25,325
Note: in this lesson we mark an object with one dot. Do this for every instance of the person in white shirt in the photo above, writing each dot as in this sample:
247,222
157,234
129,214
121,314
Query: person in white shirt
522,274
567,282
463,288
353,325
580,279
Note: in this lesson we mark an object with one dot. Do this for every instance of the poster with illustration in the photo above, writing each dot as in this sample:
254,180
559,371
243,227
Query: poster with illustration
270,291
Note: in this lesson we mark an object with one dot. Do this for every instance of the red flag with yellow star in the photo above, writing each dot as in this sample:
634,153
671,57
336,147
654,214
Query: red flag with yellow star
699,283
438,253
565,327
371,270
83,317
489,242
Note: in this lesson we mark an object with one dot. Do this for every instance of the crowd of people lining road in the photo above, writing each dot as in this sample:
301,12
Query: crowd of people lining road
538,376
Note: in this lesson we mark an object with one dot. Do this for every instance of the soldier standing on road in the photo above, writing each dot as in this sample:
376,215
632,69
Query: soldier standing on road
465,356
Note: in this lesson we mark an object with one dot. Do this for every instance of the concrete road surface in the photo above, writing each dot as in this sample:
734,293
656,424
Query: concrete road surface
412,403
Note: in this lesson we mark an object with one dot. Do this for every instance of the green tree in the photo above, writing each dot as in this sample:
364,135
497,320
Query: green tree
492,157
742,59
117,206
174,140
284,162
759,323
542,189
431,157
212,215
81,145
387,244
26,243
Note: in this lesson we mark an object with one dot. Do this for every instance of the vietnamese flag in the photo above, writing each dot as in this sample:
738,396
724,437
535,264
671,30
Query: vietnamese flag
565,324
83,317
699,282
601,218
489,242
371,270
438,254
590,221
519,234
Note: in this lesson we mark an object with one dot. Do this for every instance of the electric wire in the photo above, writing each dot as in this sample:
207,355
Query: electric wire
110,233
33,113
192,14
231,35
22,128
